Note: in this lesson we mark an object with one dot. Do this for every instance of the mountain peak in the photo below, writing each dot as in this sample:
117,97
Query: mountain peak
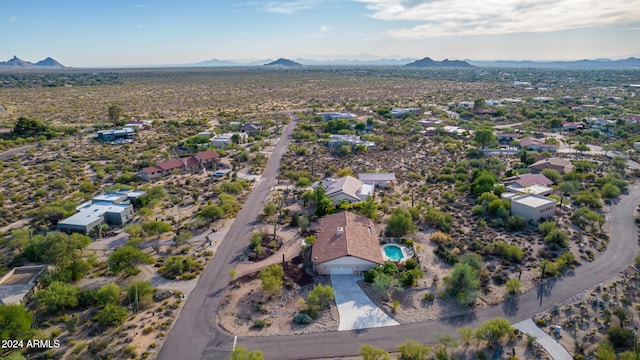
16,62
428,62
284,63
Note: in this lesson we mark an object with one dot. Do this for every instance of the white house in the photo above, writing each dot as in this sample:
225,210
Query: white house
398,112
532,207
337,115
224,140
346,188
346,244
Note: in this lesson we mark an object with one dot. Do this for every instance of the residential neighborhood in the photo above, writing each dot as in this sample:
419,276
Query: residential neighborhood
326,215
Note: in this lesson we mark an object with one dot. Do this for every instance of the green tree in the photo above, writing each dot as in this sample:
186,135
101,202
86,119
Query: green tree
58,296
605,352
320,297
157,228
412,350
15,322
513,286
584,216
62,251
400,224
183,237
619,163
569,187
127,259
466,334
369,352
557,239
111,315
621,338
582,148
29,128
493,330
369,208
87,187
552,175
272,278
385,284
484,137
108,294
241,353
235,138
325,206
483,182
610,191
115,112
269,209
210,212
462,284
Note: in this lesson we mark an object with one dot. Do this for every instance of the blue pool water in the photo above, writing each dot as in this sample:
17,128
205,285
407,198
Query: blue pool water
394,253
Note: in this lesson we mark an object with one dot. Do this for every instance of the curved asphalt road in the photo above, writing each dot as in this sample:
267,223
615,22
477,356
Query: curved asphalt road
196,334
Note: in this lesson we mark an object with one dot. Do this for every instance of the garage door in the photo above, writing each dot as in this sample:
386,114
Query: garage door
341,271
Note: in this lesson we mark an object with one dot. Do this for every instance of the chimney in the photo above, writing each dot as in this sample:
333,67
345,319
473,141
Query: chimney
339,231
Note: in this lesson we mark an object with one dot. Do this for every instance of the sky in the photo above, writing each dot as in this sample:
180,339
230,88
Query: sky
104,33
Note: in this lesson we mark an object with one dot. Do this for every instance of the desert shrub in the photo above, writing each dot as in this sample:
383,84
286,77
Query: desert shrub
259,324
302,319
439,237
411,264
516,223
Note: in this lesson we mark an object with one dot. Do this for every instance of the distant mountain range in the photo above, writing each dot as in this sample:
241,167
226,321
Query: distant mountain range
429,63
16,62
628,63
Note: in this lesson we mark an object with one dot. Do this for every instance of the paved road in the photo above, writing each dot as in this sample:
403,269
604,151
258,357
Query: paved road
9,153
196,328
196,334
553,347
620,253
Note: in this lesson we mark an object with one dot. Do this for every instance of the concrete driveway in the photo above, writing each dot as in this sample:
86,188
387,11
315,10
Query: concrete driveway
356,310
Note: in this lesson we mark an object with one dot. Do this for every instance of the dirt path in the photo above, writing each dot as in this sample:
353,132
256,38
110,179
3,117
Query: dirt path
290,248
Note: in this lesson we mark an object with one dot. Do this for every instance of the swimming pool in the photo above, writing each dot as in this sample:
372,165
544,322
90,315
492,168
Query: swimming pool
393,252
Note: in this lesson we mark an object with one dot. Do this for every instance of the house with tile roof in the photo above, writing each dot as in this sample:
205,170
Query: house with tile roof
537,145
346,188
201,160
346,244
529,184
562,166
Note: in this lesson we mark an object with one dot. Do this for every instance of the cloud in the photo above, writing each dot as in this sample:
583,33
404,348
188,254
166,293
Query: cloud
326,28
290,7
140,26
438,18
12,18
141,6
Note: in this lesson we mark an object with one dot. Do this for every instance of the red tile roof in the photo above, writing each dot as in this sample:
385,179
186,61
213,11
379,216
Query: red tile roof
171,164
358,239
208,155
526,180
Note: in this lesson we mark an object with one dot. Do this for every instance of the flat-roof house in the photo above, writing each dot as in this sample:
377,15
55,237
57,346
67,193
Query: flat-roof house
335,141
224,140
109,208
377,179
562,166
117,135
346,188
532,207
426,123
337,115
346,244
537,145
399,112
